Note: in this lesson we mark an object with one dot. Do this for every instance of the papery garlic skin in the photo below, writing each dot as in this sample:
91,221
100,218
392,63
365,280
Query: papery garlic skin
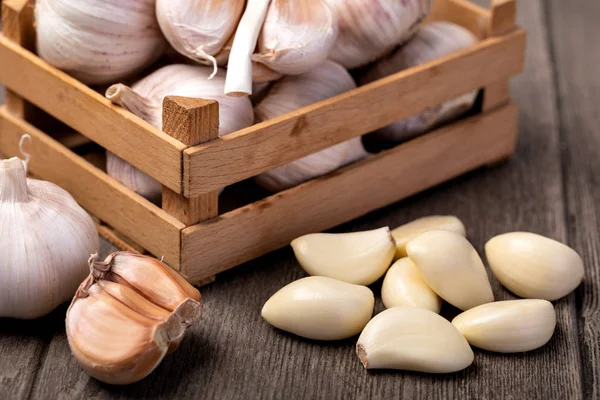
510,326
320,308
145,99
407,232
451,267
46,240
413,339
291,93
296,36
98,41
534,266
199,30
403,285
432,41
368,29
356,257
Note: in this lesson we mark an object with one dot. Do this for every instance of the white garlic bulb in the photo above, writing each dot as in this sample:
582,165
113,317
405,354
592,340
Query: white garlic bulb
98,41
296,35
200,30
296,91
145,99
46,241
431,41
368,29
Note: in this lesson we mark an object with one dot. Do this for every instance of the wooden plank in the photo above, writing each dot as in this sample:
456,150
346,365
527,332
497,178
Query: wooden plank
88,112
496,95
503,17
103,196
461,12
574,36
253,150
329,201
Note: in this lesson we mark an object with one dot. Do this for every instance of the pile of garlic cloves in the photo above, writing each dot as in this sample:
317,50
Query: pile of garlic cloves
434,262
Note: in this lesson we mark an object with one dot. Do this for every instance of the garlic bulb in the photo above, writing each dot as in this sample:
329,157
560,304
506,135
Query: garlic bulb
433,40
293,92
145,99
407,232
98,41
296,35
200,30
368,29
127,315
320,308
46,240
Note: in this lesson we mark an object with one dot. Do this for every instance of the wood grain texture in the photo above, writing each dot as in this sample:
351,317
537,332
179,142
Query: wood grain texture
574,36
253,150
89,113
462,12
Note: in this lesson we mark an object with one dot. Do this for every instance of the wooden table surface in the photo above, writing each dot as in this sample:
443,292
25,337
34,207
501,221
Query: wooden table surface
551,186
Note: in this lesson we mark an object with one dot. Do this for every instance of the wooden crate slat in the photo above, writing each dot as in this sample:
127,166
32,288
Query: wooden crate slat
243,234
256,149
461,12
94,190
88,112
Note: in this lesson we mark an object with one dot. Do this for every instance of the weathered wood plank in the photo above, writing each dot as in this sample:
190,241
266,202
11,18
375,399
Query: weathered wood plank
574,35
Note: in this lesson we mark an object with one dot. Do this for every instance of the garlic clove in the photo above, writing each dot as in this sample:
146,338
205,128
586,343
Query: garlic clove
508,326
357,257
413,339
451,267
403,285
534,266
320,308
407,232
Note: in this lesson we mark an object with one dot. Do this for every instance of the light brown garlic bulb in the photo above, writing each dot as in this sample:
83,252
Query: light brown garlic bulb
200,30
127,315
145,98
431,41
98,41
296,91
368,29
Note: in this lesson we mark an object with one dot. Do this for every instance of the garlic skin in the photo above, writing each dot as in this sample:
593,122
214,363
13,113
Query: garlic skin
320,308
432,41
407,232
199,30
403,285
296,36
357,257
98,41
145,99
413,339
510,326
127,315
534,266
368,29
46,240
451,267
291,93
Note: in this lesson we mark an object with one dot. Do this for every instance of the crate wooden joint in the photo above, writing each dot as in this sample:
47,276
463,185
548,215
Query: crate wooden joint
192,163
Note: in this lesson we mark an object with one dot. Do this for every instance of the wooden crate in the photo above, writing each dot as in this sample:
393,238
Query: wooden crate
192,163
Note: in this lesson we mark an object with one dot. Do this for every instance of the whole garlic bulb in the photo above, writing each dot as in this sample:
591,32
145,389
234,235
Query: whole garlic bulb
368,29
431,41
296,35
200,30
46,240
98,41
145,98
296,91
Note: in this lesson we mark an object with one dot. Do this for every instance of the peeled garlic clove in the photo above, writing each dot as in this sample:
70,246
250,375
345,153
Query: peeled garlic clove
413,339
403,285
508,326
357,257
534,266
407,232
320,308
451,267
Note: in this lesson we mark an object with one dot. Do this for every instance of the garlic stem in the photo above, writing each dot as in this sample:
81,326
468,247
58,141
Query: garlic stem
13,181
239,72
130,100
